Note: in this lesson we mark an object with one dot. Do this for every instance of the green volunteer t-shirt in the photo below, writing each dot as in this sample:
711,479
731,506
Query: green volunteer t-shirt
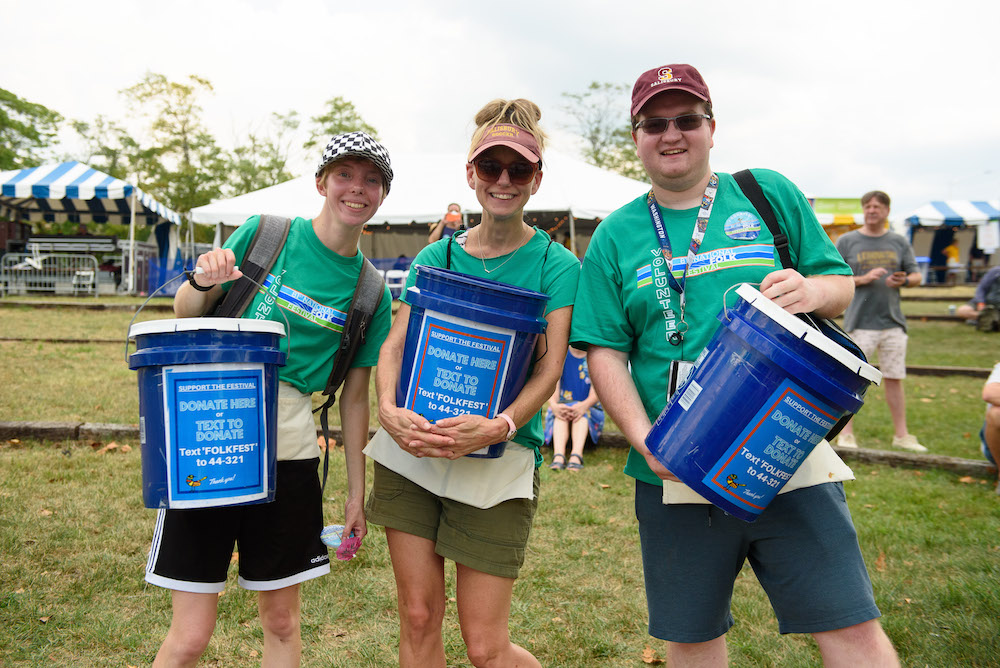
309,290
624,300
538,265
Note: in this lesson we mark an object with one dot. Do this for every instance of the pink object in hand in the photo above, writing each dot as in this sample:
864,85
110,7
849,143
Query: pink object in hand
348,548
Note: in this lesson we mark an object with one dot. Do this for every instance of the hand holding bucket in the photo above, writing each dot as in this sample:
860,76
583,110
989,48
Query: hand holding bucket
766,389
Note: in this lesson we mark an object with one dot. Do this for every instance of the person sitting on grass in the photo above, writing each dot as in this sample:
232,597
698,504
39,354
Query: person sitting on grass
984,307
574,411
989,435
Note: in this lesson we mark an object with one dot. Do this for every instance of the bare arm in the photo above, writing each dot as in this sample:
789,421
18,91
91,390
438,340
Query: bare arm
614,385
436,232
826,295
411,431
219,265
991,393
354,415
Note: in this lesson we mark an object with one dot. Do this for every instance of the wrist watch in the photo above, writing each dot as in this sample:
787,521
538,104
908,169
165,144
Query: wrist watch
512,428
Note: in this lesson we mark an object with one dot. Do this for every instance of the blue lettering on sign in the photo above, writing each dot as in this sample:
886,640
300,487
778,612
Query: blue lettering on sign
216,434
459,368
771,447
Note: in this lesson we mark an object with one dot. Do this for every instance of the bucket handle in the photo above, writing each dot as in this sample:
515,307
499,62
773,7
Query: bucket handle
725,295
188,275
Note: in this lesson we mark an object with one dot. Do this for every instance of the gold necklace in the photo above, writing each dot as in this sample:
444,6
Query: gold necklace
482,253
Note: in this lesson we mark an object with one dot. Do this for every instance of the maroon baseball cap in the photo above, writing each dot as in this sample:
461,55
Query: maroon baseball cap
668,77
511,136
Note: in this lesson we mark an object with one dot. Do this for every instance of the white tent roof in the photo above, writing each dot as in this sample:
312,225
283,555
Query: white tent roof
955,213
425,183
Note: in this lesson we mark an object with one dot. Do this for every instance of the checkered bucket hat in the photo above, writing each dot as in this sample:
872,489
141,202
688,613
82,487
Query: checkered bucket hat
358,144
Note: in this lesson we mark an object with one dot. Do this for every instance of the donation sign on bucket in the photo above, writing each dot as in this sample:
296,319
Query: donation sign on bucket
468,346
764,392
208,410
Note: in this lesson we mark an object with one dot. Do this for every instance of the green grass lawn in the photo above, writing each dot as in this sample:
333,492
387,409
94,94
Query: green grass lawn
74,538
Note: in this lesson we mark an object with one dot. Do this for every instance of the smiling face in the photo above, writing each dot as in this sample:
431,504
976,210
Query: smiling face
675,161
353,190
502,199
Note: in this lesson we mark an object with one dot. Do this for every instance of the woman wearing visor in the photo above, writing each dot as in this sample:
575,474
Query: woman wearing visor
482,523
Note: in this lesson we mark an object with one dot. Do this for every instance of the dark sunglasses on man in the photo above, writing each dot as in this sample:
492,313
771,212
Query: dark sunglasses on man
685,123
520,172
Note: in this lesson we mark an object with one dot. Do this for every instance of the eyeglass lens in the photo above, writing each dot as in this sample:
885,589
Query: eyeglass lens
686,123
519,172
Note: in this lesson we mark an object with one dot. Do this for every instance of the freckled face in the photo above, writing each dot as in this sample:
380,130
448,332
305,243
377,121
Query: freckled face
353,190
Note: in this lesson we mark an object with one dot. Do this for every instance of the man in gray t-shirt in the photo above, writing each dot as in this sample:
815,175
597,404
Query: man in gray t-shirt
882,262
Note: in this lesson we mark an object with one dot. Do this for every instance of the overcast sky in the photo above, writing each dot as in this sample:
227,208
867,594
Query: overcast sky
842,97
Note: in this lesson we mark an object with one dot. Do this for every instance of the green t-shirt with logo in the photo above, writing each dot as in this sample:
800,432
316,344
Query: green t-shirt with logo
309,290
624,300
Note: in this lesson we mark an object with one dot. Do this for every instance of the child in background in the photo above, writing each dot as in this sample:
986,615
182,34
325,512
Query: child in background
574,411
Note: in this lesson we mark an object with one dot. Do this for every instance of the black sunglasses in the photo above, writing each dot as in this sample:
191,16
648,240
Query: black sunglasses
519,172
685,123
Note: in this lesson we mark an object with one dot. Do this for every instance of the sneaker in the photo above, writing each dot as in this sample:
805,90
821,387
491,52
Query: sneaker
908,442
847,441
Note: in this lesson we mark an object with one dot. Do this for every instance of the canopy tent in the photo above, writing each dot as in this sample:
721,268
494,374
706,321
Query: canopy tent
425,183
72,191
955,213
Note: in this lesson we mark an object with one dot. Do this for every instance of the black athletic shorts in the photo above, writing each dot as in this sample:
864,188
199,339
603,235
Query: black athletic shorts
278,542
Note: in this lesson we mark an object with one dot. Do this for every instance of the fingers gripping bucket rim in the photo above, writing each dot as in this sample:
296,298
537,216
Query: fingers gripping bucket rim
208,396
766,389
469,345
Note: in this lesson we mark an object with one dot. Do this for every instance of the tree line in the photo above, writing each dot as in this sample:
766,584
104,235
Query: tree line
178,160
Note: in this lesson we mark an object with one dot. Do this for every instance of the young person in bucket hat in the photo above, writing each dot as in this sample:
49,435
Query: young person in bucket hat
311,282
434,503
642,337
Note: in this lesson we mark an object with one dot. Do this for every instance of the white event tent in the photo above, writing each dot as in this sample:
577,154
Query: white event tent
425,183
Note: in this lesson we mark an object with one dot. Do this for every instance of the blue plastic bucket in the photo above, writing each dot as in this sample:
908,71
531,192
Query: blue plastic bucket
766,389
208,405
469,343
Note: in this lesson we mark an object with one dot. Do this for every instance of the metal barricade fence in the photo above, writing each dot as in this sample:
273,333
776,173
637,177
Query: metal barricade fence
54,273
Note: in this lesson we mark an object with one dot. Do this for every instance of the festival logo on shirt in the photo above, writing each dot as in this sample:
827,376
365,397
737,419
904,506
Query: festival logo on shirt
742,226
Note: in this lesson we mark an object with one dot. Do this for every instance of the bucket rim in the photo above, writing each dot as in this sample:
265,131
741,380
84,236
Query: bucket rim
173,325
485,283
802,331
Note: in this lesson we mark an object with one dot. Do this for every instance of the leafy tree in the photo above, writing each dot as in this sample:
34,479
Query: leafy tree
189,168
598,120
340,116
111,149
27,129
261,160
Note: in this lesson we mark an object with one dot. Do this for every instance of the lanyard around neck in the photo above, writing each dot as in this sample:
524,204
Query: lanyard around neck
707,201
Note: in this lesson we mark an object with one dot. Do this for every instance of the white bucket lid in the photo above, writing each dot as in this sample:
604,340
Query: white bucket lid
218,324
810,335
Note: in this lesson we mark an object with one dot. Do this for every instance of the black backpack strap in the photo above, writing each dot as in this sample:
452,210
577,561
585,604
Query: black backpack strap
272,231
368,295
748,184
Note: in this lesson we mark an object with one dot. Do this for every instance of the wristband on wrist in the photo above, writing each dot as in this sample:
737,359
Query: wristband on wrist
512,428
195,285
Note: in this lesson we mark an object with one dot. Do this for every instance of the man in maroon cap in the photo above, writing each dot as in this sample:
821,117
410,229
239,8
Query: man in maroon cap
656,274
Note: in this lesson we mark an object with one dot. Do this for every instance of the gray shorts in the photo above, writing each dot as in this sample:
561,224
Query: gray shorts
803,549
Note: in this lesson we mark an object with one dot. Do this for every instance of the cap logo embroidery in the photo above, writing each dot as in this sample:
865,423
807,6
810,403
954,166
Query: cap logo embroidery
665,75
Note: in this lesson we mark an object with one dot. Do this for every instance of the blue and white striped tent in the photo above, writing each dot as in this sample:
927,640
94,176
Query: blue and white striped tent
72,191
956,213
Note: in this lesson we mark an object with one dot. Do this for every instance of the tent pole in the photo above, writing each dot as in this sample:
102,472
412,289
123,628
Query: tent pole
131,243
572,233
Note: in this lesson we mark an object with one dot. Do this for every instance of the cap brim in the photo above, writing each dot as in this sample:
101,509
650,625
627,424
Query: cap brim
525,152
637,107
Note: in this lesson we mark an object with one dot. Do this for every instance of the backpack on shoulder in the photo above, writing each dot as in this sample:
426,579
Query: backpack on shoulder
266,245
